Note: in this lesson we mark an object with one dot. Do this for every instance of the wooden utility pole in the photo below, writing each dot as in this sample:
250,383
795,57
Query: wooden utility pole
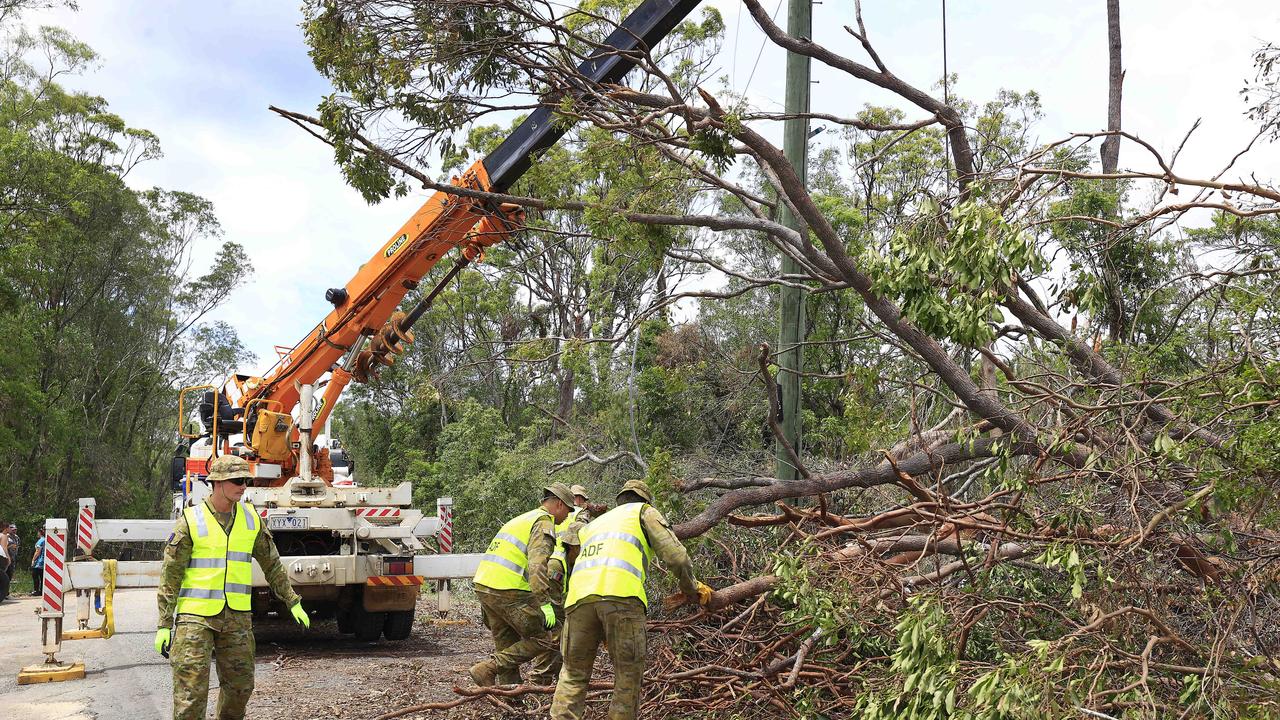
1115,88
791,318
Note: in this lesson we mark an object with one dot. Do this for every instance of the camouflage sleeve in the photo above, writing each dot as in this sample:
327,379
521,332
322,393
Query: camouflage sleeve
668,548
542,542
264,551
176,554
555,582
572,543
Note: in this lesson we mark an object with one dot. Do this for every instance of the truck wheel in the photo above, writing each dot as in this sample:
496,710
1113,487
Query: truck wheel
346,621
368,625
399,624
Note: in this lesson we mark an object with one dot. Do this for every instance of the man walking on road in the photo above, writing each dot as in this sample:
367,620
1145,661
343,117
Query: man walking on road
207,580
511,584
606,600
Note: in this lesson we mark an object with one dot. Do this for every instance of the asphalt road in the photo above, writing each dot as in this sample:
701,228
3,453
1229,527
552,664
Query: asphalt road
124,677
339,677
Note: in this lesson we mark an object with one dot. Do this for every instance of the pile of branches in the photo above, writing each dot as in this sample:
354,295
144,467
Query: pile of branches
968,595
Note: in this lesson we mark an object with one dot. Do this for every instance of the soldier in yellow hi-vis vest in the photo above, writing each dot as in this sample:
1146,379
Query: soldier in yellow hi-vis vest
582,505
545,672
206,588
606,600
511,584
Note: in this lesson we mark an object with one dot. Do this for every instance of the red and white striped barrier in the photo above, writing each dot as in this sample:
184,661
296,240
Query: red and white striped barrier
444,511
378,512
444,539
86,528
55,567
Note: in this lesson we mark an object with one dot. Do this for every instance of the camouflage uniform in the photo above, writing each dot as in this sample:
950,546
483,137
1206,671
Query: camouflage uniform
546,667
620,624
514,617
226,637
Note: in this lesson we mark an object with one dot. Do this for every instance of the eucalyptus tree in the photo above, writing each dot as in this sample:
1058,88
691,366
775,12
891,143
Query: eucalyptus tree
104,312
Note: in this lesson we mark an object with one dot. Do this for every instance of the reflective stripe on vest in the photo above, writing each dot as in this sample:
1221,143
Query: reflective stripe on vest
505,565
613,558
220,571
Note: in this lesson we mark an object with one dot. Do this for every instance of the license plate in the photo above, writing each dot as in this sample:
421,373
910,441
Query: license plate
286,522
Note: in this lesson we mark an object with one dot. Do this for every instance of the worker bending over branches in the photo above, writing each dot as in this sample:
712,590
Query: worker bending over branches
606,600
511,584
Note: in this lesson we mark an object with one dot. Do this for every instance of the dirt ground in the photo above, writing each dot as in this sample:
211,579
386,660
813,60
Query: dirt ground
332,676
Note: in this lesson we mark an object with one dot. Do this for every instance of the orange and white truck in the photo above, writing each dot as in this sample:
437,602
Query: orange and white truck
358,553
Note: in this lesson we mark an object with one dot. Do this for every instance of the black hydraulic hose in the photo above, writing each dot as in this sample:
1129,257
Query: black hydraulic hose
425,303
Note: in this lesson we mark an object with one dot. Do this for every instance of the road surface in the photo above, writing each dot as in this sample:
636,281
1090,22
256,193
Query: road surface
317,674
124,677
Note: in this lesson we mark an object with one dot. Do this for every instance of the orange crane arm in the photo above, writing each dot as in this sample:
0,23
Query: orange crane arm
365,329
365,307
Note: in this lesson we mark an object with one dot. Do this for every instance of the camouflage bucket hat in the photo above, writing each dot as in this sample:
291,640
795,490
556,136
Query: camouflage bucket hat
228,467
579,490
561,491
638,487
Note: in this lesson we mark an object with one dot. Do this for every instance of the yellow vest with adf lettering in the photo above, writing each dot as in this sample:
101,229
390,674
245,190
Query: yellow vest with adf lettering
505,565
220,571
613,558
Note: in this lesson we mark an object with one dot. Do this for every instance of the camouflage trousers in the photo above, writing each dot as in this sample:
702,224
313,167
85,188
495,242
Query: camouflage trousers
519,637
621,625
195,646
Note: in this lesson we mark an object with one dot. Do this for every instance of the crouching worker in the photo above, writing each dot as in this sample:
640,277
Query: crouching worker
206,588
606,600
511,584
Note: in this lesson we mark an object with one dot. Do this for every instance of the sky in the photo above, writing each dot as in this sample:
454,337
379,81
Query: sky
201,75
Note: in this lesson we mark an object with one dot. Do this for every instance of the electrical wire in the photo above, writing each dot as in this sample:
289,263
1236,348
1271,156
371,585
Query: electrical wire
737,35
760,53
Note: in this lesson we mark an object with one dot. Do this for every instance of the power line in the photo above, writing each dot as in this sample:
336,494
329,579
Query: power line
760,53
737,34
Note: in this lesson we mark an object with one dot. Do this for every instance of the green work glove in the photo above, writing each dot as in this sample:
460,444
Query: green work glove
163,636
548,616
300,615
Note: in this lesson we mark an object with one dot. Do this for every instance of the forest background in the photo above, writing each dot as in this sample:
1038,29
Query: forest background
1039,458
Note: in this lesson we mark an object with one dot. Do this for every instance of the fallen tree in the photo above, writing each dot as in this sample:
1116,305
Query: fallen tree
1073,510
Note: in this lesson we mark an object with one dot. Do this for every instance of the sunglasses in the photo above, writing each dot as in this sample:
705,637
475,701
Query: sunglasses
241,481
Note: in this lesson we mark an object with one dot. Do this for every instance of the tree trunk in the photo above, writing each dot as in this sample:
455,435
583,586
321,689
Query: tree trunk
564,404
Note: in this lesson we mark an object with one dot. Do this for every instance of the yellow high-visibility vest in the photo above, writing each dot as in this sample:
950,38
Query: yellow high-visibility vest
505,565
220,571
568,520
613,558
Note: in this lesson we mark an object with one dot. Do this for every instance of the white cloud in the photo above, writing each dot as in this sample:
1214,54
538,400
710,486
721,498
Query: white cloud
201,75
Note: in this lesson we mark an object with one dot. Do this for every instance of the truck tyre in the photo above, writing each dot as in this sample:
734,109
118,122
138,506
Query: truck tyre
399,624
346,621
368,625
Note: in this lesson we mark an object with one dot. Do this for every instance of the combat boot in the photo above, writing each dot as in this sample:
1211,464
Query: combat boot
484,673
